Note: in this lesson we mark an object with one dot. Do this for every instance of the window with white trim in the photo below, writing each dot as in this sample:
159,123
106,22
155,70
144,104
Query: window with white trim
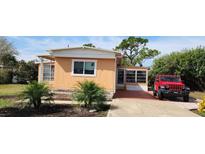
141,76
130,76
81,67
134,76
48,72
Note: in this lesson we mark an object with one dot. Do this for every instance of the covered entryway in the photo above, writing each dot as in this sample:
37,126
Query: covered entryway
132,78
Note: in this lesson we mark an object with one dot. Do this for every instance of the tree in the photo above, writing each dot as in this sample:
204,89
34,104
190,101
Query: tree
26,71
35,92
135,51
88,92
5,76
89,45
8,53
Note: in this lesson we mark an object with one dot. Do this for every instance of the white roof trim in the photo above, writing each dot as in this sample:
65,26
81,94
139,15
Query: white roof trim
80,53
73,48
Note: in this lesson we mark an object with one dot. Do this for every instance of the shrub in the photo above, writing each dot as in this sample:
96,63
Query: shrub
26,71
35,92
90,94
201,105
5,76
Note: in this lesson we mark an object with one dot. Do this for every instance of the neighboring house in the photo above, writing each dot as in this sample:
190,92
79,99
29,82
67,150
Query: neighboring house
63,68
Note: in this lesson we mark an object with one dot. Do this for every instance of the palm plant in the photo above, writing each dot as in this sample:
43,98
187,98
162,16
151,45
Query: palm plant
35,92
88,93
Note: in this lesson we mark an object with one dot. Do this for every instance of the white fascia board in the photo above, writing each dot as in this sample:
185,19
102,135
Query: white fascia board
80,53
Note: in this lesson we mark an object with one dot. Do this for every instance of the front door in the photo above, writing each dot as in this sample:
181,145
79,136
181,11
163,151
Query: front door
120,77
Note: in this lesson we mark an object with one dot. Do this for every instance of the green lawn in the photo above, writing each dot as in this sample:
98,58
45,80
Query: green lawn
202,114
197,94
6,103
11,89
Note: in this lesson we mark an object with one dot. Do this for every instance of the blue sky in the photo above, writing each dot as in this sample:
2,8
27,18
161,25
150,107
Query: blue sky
30,46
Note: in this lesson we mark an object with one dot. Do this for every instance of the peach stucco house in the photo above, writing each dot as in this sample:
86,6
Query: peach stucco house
63,68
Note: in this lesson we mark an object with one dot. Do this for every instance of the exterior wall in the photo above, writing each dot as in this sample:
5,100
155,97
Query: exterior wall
64,80
50,83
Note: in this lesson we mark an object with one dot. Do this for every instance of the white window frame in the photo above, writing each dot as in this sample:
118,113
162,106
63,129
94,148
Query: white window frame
84,60
126,75
50,72
145,76
136,72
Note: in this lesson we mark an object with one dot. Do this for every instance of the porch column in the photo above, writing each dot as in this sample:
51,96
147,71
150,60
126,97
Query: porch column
41,70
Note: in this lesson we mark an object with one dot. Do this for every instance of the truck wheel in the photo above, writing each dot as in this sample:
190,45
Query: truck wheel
186,98
154,93
160,96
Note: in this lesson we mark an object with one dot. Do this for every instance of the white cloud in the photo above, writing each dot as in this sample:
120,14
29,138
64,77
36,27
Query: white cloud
106,42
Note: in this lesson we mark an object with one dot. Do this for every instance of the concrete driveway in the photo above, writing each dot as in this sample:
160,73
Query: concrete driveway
149,106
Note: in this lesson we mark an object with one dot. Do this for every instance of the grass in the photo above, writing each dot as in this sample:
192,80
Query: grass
6,103
11,89
202,114
197,94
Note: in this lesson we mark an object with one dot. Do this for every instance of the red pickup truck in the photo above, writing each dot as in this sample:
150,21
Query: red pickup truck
170,86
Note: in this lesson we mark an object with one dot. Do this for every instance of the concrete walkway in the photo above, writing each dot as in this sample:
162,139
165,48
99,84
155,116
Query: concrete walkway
140,107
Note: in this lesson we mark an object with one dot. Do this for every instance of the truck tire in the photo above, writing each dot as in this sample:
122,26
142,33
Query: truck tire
160,96
186,98
154,93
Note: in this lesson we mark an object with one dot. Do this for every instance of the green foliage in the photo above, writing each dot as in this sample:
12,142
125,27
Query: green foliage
5,76
88,93
26,71
7,53
89,45
135,51
189,64
36,92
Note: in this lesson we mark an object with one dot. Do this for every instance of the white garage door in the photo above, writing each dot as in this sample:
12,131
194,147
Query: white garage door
136,88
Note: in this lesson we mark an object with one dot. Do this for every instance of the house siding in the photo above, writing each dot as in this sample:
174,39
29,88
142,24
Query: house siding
64,80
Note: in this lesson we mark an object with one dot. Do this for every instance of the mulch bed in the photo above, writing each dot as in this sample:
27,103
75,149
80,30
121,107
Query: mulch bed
50,110
12,97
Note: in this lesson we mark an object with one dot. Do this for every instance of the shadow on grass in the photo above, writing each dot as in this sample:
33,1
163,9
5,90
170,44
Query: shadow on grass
50,110
202,114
